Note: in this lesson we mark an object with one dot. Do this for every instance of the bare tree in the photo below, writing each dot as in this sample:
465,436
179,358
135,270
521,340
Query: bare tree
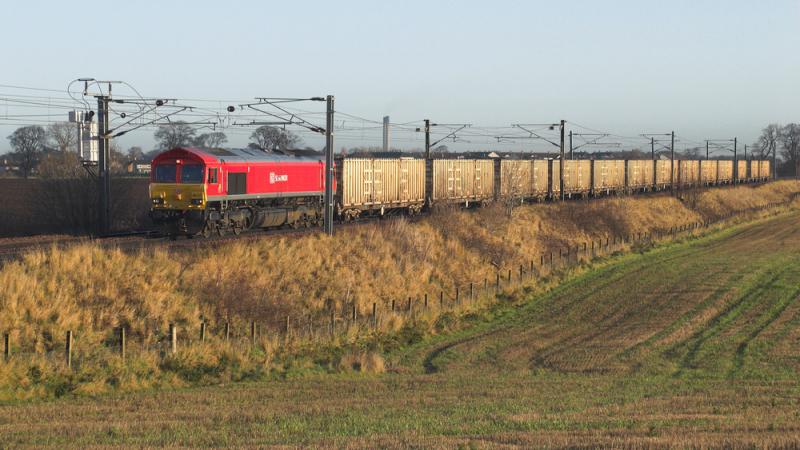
62,135
176,134
210,140
269,138
135,153
767,143
789,138
28,143
516,175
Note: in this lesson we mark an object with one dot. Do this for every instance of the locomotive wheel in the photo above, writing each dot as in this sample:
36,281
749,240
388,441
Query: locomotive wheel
220,231
237,230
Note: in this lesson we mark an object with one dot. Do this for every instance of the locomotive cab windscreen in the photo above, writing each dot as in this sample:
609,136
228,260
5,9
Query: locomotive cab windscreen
177,184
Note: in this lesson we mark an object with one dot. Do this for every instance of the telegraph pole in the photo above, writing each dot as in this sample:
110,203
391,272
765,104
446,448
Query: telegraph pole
706,150
561,162
329,168
653,148
104,178
735,164
427,139
672,162
746,164
570,145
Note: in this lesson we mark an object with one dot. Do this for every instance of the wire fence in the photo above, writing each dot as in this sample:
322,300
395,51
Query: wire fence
350,323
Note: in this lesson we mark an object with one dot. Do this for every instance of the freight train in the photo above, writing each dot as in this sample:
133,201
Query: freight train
205,191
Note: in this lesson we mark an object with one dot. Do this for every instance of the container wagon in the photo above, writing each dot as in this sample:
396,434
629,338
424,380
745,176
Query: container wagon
639,174
663,180
577,176
708,172
608,176
741,171
516,178
689,171
724,172
540,181
367,186
462,180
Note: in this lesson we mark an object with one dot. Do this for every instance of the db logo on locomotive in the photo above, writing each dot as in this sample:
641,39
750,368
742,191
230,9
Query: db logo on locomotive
274,178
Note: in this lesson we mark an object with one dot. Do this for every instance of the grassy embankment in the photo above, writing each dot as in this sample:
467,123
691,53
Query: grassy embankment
91,291
691,344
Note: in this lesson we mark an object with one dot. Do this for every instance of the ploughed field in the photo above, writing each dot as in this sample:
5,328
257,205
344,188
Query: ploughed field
691,344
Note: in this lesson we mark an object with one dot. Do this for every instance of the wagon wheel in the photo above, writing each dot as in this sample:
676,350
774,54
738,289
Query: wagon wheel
237,230
220,231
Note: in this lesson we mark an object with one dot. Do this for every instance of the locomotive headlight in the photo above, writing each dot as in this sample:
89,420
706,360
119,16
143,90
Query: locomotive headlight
197,201
157,201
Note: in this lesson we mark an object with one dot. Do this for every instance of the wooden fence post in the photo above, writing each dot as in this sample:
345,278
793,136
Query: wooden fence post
521,272
202,331
374,315
68,349
227,331
253,332
458,297
498,282
333,322
122,342
288,328
426,300
354,314
392,305
7,345
509,276
471,292
441,299
173,338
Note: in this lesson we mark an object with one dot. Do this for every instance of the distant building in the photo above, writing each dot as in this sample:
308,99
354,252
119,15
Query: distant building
8,167
138,167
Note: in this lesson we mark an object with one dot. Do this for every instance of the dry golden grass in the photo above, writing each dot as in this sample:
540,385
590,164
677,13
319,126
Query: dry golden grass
91,291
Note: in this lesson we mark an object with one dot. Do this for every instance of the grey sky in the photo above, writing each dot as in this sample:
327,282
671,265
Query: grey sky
707,69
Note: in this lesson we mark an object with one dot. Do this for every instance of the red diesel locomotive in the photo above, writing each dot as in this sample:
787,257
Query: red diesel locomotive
218,190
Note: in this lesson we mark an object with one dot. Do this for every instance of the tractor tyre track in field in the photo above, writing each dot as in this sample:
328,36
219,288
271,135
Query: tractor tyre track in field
601,320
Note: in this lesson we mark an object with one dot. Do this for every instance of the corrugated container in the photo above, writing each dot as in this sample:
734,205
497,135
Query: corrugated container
515,178
640,173
663,172
555,174
609,174
463,179
689,172
765,168
725,171
577,175
539,172
367,183
708,171
741,170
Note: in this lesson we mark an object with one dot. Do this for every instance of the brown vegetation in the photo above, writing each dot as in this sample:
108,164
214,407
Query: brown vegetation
91,291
